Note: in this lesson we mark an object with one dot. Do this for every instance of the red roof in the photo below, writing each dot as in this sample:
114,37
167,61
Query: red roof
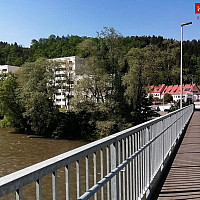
158,89
173,89
176,90
167,89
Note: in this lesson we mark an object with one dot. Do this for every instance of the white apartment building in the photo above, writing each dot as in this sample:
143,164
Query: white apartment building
65,79
4,69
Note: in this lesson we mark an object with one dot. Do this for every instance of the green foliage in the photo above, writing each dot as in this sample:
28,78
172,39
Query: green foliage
5,122
168,98
106,128
13,54
9,102
136,81
95,85
36,95
102,92
54,46
111,96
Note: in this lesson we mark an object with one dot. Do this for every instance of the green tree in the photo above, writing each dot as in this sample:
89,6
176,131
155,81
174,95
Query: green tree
135,82
95,84
36,89
10,105
168,98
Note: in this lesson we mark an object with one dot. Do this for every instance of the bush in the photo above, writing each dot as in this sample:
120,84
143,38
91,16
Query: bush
168,98
106,128
5,122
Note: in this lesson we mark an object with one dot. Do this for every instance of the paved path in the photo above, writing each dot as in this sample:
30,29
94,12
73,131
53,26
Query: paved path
183,180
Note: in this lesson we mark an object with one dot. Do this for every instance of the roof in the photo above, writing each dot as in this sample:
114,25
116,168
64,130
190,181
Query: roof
158,89
174,89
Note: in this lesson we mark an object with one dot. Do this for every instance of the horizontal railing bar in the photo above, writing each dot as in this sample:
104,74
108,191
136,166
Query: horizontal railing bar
25,176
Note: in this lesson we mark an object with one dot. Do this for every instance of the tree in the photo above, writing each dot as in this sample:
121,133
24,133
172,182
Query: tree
135,82
95,83
168,98
10,105
36,89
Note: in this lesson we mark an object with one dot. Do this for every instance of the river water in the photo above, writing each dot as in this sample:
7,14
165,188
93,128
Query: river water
18,151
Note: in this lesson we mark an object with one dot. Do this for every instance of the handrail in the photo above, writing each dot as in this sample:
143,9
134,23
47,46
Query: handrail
129,153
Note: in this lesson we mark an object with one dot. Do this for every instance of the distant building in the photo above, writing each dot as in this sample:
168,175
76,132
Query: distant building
190,91
157,91
4,69
65,79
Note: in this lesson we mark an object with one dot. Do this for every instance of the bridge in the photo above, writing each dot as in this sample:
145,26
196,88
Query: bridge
127,165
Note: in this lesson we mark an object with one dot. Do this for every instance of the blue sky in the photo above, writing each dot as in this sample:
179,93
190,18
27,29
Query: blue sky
24,20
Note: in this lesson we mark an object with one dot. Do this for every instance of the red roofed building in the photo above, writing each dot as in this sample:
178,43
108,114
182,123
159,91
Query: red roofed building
189,91
157,90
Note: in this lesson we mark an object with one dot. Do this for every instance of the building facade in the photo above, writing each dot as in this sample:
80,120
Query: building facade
4,69
189,91
66,79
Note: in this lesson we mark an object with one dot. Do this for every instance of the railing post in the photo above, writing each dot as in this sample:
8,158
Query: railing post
54,185
39,189
67,182
19,194
114,181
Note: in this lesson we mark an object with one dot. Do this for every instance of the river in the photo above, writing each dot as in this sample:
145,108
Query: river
18,151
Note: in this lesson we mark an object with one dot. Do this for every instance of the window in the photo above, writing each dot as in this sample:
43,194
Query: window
187,89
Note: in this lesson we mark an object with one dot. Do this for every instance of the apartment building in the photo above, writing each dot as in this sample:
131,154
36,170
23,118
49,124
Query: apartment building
65,79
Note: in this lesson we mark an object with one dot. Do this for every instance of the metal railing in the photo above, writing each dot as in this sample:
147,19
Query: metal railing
120,166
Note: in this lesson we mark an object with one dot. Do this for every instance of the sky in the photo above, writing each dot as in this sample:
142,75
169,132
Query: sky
24,20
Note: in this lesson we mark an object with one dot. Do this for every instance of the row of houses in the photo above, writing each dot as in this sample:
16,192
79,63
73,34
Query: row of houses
189,91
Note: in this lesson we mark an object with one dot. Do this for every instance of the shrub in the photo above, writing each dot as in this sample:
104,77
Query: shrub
5,122
106,128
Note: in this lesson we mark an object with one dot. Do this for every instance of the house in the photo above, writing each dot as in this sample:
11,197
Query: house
4,69
189,91
157,90
65,79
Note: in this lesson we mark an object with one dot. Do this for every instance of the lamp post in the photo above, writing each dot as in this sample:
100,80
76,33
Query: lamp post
181,75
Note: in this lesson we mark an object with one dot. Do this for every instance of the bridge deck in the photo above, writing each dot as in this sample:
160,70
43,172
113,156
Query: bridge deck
183,180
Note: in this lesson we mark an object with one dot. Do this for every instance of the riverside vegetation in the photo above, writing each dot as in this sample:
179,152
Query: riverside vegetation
117,73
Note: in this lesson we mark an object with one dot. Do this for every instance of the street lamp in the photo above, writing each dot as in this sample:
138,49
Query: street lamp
181,75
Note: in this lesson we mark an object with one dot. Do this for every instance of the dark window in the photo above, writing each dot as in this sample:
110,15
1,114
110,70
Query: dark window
187,89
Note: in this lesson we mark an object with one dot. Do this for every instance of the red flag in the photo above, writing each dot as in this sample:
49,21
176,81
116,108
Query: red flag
197,8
